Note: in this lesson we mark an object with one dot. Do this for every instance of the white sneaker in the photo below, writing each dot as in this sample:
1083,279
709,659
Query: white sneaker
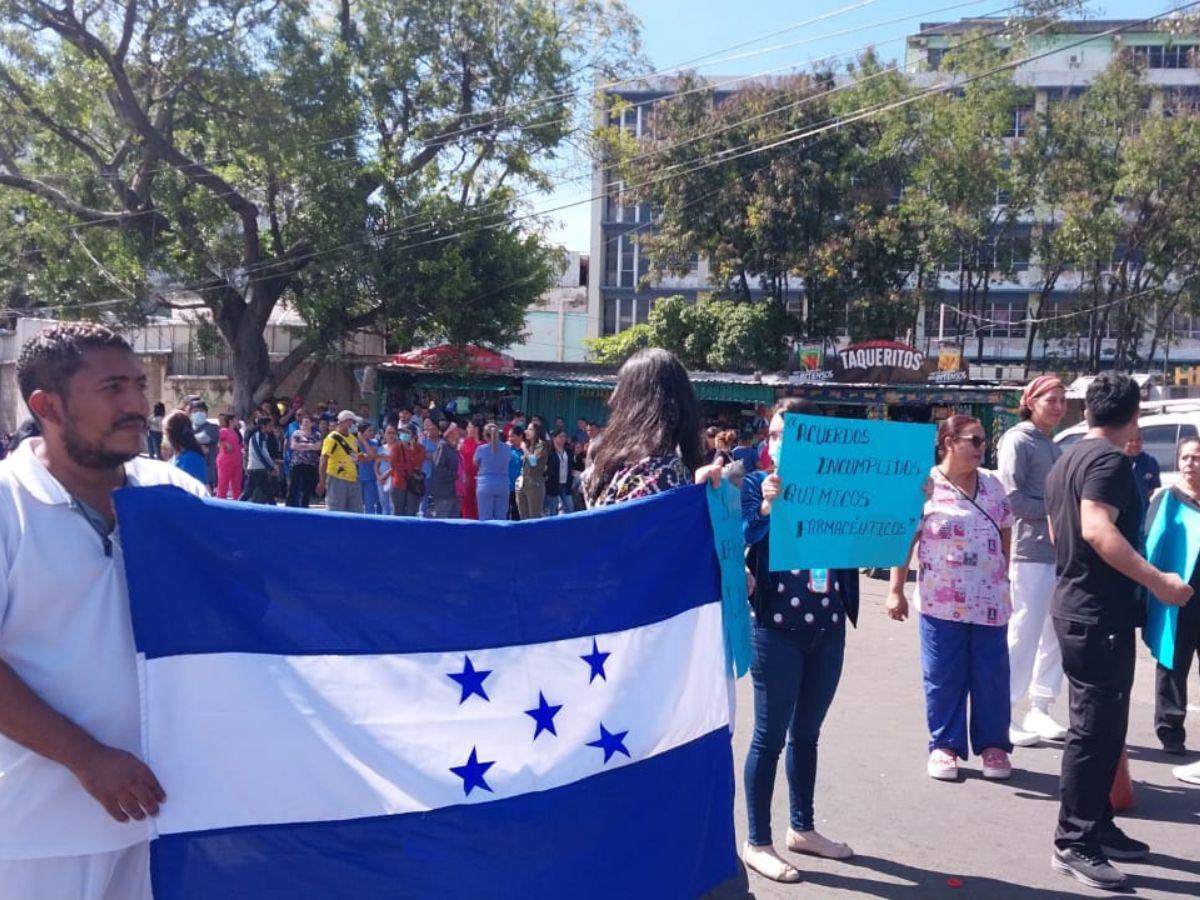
1019,737
1189,774
1039,722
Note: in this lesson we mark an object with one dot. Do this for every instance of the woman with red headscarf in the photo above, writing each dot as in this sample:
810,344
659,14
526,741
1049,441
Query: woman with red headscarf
1027,452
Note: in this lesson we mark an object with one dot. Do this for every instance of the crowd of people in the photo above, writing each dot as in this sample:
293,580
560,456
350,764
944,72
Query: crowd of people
414,461
1025,576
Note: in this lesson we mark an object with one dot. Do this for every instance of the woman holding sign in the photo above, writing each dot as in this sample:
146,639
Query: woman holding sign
1178,508
799,639
963,593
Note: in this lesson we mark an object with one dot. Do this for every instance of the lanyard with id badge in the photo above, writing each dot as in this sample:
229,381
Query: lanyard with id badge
818,581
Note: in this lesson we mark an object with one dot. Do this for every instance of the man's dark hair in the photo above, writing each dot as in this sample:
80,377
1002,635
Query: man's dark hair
1112,400
51,358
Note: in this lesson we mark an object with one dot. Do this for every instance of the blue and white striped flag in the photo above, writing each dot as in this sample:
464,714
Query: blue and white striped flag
345,706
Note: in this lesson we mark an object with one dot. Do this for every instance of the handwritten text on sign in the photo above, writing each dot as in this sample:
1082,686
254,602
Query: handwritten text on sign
852,492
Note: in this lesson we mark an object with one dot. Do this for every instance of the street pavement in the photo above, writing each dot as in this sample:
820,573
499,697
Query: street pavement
917,838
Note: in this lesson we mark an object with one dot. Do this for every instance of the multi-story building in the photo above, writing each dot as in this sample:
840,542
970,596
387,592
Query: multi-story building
556,325
1068,60
617,298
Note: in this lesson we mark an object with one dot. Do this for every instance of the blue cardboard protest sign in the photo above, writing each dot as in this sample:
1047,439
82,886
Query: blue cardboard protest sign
852,492
1172,545
725,511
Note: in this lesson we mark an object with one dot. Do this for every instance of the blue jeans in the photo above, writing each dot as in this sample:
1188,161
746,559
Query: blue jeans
961,660
796,674
493,503
385,498
370,495
561,501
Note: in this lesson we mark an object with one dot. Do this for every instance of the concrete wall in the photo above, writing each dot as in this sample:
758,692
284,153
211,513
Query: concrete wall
336,383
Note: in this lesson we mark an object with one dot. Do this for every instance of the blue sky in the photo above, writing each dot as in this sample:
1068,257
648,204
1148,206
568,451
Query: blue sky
677,31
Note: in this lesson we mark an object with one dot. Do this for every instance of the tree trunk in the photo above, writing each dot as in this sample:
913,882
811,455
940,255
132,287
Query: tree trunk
251,371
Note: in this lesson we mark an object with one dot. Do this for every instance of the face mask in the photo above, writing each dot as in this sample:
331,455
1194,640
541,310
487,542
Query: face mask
405,438
354,429
773,448
199,419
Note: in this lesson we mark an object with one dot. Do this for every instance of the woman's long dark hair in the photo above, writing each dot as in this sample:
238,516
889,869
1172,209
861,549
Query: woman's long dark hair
539,436
178,429
654,413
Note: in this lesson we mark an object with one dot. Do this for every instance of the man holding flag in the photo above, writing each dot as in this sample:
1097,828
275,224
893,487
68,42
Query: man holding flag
74,794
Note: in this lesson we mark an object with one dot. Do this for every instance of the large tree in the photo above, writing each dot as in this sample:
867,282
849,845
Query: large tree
358,161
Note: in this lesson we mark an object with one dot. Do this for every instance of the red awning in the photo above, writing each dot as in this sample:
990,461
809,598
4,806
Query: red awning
468,357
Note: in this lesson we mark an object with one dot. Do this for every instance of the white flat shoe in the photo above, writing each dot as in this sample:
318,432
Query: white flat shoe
1019,737
816,844
767,863
1041,724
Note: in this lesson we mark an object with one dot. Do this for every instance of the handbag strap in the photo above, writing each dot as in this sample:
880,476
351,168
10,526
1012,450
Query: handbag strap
341,442
971,500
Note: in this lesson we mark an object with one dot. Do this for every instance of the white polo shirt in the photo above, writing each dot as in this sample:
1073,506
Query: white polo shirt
65,630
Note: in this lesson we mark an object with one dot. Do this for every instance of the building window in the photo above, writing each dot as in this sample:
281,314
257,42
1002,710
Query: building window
1018,125
934,57
631,119
1172,56
610,315
1007,319
628,261
620,206
1065,94
1011,251
625,313
1181,101
624,263
1185,325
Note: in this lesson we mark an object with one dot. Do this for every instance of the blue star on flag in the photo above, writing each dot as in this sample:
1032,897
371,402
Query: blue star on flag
544,716
472,774
610,743
596,659
471,680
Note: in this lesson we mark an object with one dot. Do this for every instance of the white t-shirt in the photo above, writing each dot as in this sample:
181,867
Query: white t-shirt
65,630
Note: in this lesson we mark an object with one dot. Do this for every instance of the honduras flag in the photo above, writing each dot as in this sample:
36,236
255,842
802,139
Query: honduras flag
343,706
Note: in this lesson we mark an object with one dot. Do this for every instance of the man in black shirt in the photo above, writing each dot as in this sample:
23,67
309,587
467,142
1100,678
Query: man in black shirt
1095,513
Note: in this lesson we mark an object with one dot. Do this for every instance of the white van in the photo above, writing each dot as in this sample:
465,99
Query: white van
1164,424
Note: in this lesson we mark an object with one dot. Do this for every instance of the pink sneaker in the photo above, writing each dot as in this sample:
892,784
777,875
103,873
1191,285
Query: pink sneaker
996,765
943,765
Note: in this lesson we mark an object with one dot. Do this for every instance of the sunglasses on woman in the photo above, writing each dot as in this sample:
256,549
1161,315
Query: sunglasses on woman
975,440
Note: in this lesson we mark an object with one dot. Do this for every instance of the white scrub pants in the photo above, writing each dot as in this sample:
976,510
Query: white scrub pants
120,875
1034,656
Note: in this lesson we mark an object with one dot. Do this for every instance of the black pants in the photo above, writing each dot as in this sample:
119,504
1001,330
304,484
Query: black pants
1098,661
258,487
1171,695
302,484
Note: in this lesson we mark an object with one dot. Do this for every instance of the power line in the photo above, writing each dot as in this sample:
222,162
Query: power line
733,154
507,109
484,211
781,139
556,121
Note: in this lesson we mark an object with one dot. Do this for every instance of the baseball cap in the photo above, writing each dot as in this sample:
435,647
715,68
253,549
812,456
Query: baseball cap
346,416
